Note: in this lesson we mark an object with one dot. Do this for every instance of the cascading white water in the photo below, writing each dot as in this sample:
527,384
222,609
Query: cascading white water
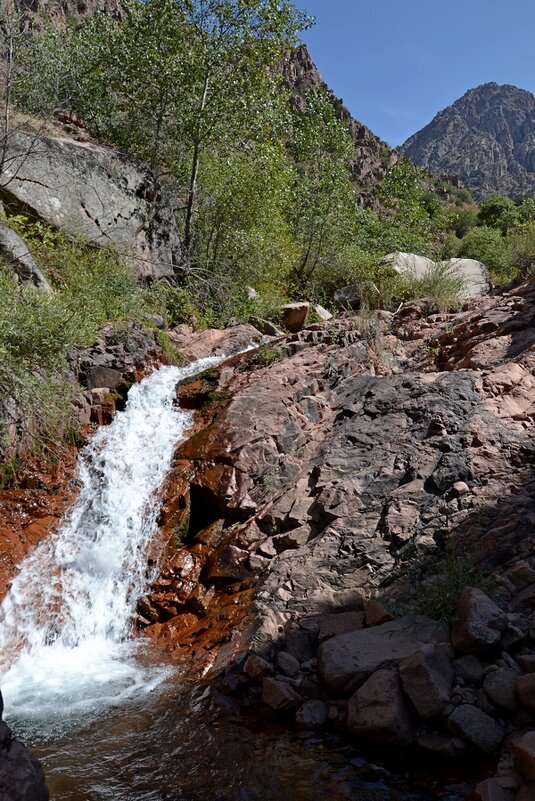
64,625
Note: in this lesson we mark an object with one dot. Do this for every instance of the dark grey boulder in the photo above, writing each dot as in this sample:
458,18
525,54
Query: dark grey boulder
96,193
347,660
21,776
476,728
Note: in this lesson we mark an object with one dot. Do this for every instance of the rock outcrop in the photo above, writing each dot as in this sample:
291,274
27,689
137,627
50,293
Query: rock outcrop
337,481
95,193
372,157
63,12
487,138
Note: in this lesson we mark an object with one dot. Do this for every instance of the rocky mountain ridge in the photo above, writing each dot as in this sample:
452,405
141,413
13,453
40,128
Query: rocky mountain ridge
487,138
372,157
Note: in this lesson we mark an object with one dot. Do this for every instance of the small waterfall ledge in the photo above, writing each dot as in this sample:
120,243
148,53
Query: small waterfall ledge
65,624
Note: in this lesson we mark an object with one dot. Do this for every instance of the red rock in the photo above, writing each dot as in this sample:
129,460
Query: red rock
525,689
427,677
524,756
228,562
256,667
491,790
526,662
379,711
199,344
279,695
375,612
440,744
479,623
526,793
293,316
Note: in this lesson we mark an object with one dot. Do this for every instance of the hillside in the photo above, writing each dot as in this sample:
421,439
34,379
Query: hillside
372,157
487,138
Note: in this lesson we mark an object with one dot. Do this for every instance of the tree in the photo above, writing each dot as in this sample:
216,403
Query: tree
171,80
498,212
323,202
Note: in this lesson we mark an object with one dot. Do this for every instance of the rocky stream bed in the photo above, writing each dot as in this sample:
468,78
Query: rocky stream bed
341,488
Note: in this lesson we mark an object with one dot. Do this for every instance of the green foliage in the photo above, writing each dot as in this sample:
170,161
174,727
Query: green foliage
38,329
445,579
489,246
266,355
522,248
498,212
174,355
410,222
442,285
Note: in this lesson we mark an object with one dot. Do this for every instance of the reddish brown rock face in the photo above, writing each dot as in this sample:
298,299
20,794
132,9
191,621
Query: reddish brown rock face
34,509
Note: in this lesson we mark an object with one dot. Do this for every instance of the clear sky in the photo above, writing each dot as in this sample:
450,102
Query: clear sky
396,63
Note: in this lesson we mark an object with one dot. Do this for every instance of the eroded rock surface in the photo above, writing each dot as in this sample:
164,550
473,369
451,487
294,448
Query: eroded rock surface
96,193
342,481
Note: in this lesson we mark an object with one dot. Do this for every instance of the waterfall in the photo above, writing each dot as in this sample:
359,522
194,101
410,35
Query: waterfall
65,623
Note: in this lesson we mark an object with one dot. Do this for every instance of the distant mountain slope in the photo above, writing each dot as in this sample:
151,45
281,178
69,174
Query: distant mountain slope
61,12
372,156
487,138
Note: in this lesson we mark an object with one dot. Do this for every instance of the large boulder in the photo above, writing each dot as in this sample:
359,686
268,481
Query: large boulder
474,274
379,711
476,728
96,193
524,755
346,661
427,677
408,263
480,623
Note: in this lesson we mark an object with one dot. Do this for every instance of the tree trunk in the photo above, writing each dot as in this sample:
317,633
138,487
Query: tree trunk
190,208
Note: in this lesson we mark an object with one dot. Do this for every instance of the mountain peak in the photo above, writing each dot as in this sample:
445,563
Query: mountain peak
487,138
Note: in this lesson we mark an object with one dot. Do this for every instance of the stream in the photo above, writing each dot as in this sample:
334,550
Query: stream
110,718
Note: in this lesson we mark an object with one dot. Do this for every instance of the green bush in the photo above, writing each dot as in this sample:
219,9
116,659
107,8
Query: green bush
38,329
491,247
445,579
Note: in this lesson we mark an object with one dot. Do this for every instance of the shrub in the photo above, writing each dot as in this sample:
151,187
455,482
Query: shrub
491,247
38,329
443,285
444,580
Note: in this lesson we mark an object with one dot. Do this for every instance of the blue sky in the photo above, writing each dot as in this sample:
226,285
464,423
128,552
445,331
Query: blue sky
396,63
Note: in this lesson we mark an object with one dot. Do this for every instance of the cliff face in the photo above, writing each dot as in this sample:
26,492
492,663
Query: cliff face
63,11
487,137
372,157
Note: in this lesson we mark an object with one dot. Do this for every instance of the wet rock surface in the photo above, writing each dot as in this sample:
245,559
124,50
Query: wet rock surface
21,776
